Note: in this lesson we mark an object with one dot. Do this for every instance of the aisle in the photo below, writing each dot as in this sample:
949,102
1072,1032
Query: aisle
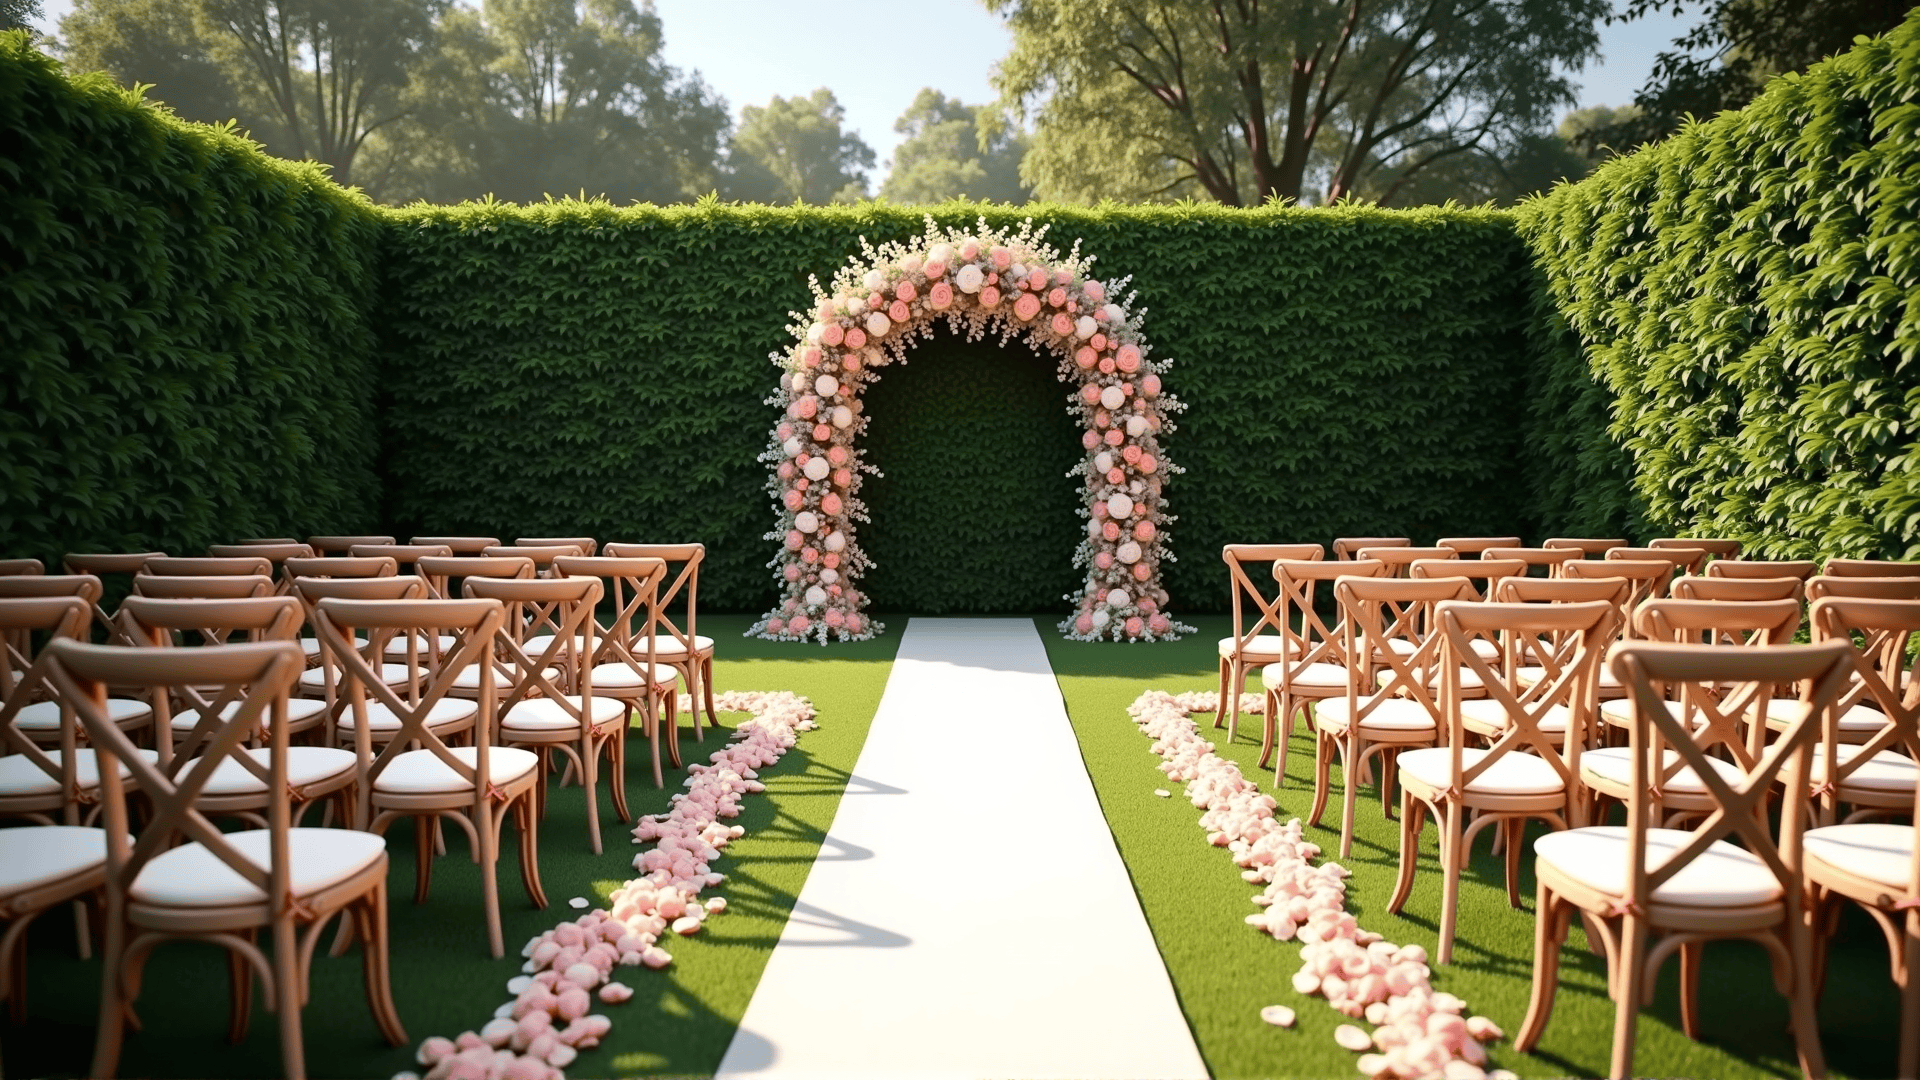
968,915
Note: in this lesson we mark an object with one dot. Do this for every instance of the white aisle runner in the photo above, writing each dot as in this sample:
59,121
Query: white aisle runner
968,915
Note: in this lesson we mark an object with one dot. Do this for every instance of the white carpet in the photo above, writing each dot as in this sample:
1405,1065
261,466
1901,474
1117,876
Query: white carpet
968,915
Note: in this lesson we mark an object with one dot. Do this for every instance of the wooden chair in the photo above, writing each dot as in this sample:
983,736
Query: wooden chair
1683,560
1316,671
1650,577
1527,771
587,544
265,540
404,672
1588,547
1391,702
1718,549
1616,591
1742,568
184,566
277,554
681,647
39,720
1737,589
1399,560
543,713
1680,888
225,889
1870,568
406,558
341,566
327,546
241,587
42,866
1545,559
1874,770
11,567
1474,547
1268,639
542,556
626,662
1347,548
459,545
1867,588
47,772
119,567
443,572
477,786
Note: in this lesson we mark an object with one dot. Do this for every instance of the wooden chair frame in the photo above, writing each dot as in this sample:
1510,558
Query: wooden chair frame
634,586
228,587
1878,634
1348,548
1317,643
459,545
682,650
100,566
1243,652
21,567
59,617
1476,547
1589,547
1738,590
587,544
1743,568
333,546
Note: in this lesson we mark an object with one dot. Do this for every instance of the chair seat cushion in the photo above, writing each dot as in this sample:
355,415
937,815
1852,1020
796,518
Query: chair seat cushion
391,674
1512,773
468,678
45,715
192,876
1469,678
1879,852
305,765
1488,714
35,855
1858,717
1483,648
1721,876
623,676
1885,771
442,713
1393,714
1270,646
667,647
1614,764
20,776
311,645
421,772
397,644
546,714
298,709
1317,676
538,643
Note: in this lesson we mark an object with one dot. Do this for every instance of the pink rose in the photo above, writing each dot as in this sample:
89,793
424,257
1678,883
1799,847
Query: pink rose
969,250
824,309
1057,297
905,291
810,356
1128,358
856,338
830,503
1131,454
1085,358
941,296
1100,511
1103,560
833,335
1111,531
800,624
1134,626
936,270
832,559
1037,280
1095,291
838,455
1002,258
1141,572
1102,419
1098,341
793,500
809,555
1151,385
791,571
785,471
1160,624
1063,324
850,362
1115,438
833,590
1090,393
785,429
1147,464
1089,440
853,624
842,477
1062,277
1147,606
1116,475
775,626
1106,365
822,433
899,312
806,407
835,619
1026,307
989,297
1082,625
1143,532
794,539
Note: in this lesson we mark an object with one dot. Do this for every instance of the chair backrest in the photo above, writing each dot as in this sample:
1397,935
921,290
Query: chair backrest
1712,587
1566,641
587,544
185,566
10,567
442,571
1301,582
634,586
472,624
1546,559
1243,588
1687,560
1722,624
1718,548
1399,559
1589,547
29,626
542,555
202,588
1490,571
249,695
562,608
273,553
159,623
1617,591
1347,548
1880,634
1743,568
1374,612
311,591
1670,685
340,566
1870,568
683,563
339,545
405,556
266,540
459,545
115,570
85,586
1473,547
1867,588
1649,576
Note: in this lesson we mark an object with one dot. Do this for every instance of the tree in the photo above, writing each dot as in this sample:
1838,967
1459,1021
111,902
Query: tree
1723,62
948,154
159,42
18,14
795,149
1242,100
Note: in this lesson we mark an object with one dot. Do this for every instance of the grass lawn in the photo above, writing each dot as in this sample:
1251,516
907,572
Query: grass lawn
680,1019
1224,971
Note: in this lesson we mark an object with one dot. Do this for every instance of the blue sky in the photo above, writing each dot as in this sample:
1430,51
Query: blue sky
750,50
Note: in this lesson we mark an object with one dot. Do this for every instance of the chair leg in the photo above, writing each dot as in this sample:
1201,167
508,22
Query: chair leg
617,773
706,689
370,916
652,726
113,1002
1412,821
1269,723
673,729
1236,677
423,855
1910,1001
240,992
530,854
1806,1020
1453,863
589,762
1220,708
1388,759
486,830
1548,919
1322,774
1691,954
1349,793
287,993
1626,998
1514,831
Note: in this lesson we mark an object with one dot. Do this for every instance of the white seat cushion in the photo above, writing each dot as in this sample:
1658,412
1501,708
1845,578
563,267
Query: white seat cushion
36,855
669,647
1491,714
45,715
19,776
1393,714
311,645
1615,764
546,714
397,644
1511,773
1885,771
620,676
1721,876
305,765
1317,676
192,876
1860,718
1879,852
444,712
468,678
1269,646
421,772
391,674
538,643
298,709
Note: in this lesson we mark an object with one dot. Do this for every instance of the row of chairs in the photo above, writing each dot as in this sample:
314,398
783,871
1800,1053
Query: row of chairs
1482,690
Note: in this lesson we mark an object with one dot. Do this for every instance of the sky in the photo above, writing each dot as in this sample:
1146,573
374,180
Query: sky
748,51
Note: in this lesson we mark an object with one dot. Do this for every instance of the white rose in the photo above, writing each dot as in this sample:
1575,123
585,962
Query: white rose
911,264
856,305
806,521
878,324
1112,314
1103,460
1093,530
842,416
835,541
1018,270
826,386
1118,598
793,446
1136,426
816,469
1118,507
1113,397
969,279
814,332
875,280
1085,327
940,253
1128,552
816,596
828,577
1101,618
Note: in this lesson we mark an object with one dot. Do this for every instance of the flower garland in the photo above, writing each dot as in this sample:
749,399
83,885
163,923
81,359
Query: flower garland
1418,1032
979,280
548,1022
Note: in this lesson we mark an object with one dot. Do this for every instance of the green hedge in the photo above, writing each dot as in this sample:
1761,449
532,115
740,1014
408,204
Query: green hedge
573,366
184,324
1747,293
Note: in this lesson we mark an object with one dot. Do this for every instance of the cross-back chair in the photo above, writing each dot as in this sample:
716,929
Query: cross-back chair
1642,885
276,554
1715,547
1870,588
226,587
443,573
321,568
1544,559
1737,589
1800,569
1268,637
330,546
405,672
626,661
1399,560
406,559
416,773
1879,568
1316,670
1650,577
1348,548
1588,547
40,720
542,555
1474,547
42,866
11,567
47,771
1683,560
681,646
114,570
1875,770
587,544
459,545
207,566
1530,767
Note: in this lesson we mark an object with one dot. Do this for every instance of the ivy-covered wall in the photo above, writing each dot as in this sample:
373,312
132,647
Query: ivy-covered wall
1745,299
186,346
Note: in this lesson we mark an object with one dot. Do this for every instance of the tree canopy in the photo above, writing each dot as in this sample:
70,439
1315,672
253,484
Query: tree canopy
797,148
949,153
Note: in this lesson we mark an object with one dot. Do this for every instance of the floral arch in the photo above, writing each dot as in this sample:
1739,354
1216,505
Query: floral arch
980,281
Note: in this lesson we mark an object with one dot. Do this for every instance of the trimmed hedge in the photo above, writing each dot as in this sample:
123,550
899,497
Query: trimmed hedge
185,324
1747,293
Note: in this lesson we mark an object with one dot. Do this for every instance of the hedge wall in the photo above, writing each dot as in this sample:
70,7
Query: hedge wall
184,324
573,366
1747,294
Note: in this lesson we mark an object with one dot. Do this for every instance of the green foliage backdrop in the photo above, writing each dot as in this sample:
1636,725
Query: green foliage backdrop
186,351
1747,294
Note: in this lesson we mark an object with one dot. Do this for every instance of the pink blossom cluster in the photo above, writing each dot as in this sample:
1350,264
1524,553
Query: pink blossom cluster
549,1021
877,307
1418,1032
